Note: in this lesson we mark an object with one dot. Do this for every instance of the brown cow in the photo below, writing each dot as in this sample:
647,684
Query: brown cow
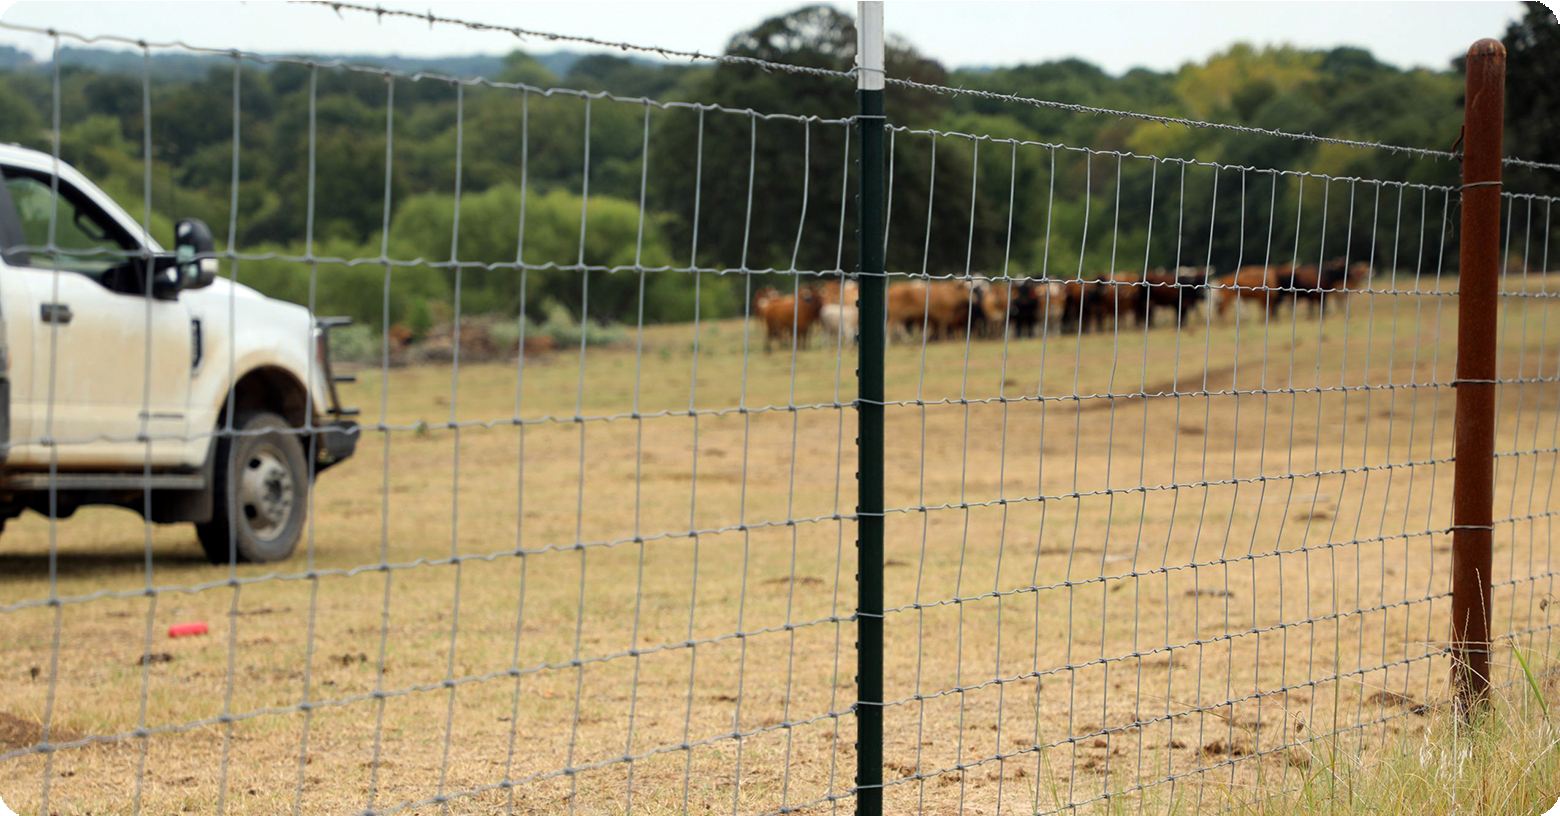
957,305
995,304
1253,284
1357,277
1179,291
1020,305
942,307
1311,283
1122,294
788,316
842,292
1050,308
1301,283
1085,305
761,297
1337,278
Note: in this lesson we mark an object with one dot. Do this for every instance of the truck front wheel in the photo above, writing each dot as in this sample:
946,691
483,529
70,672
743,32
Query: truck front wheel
261,485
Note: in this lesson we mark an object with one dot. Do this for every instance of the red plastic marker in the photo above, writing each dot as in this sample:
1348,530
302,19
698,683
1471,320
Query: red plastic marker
182,629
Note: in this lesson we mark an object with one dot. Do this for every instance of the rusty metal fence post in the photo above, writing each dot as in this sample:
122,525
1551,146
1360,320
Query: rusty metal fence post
1477,369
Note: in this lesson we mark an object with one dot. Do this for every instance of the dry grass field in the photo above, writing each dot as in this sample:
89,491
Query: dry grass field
1226,555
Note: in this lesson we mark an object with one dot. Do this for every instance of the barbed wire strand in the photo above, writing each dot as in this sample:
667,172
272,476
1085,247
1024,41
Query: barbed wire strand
381,12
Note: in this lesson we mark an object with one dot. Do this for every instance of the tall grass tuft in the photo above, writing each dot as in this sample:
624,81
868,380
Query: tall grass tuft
1503,760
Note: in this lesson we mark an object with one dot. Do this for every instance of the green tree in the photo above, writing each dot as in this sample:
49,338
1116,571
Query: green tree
490,234
708,158
19,120
355,290
1533,85
984,203
625,77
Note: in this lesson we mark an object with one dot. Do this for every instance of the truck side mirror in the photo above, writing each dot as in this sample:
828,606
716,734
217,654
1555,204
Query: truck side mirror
193,246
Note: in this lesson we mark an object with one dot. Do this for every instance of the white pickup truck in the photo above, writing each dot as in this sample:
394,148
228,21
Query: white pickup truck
135,377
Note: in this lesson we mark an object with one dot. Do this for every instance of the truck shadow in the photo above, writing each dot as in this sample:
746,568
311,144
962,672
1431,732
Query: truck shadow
76,564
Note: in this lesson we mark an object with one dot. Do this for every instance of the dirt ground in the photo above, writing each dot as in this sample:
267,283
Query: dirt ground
1172,566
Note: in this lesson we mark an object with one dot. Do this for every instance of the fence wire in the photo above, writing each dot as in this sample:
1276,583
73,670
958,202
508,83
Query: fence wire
1231,527
1167,512
594,653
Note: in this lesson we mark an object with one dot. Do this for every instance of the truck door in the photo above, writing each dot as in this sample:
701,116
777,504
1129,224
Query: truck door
16,334
110,365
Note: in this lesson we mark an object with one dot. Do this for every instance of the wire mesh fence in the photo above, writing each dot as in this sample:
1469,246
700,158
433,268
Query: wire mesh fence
660,627
1166,465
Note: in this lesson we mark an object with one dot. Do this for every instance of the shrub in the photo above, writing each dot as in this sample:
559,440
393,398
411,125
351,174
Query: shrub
357,343
564,331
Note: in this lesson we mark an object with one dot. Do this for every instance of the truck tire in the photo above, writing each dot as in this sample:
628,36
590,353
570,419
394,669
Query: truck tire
258,516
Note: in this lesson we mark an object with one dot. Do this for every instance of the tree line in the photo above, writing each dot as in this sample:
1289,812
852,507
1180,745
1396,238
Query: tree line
759,175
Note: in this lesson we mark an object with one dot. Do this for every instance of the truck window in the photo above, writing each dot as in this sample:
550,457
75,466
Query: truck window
91,242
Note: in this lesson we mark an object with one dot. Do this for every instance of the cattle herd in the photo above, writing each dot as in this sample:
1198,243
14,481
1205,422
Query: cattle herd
1024,307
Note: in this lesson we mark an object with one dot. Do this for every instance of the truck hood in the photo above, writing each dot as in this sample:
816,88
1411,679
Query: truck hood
248,302
222,286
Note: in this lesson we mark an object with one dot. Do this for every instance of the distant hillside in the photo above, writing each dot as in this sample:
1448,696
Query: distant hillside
186,66
12,58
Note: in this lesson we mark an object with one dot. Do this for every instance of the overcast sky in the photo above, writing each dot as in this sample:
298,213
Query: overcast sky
1114,35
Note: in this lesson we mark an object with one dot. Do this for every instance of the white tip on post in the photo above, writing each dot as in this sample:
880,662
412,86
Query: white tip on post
869,45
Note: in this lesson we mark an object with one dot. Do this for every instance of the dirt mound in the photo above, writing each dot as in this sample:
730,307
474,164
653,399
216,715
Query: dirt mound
482,338
475,339
17,732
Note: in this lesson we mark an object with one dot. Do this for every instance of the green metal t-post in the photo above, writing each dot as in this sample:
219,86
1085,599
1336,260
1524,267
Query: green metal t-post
869,413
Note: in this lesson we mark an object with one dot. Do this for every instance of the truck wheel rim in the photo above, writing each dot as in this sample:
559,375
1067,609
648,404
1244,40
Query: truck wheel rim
266,491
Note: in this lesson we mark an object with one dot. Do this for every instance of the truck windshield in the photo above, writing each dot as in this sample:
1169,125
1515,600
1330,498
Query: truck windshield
88,242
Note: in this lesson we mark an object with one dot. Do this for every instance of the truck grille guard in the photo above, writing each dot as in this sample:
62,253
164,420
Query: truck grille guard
325,325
